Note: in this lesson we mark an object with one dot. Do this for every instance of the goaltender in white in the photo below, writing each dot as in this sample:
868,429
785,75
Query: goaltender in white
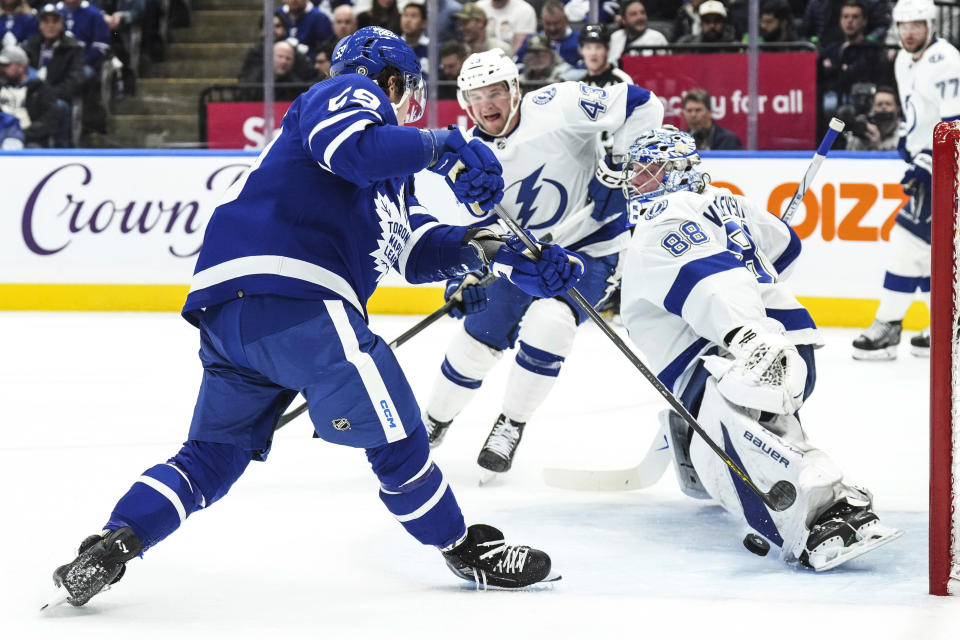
703,298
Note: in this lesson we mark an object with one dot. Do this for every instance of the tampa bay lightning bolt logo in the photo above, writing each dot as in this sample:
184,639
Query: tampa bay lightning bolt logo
545,96
528,191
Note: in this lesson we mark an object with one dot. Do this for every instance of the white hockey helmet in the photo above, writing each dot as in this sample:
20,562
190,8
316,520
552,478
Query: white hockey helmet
659,162
483,69
915,10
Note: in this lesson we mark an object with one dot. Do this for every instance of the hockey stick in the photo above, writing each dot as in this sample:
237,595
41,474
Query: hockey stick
399,340
781,495
836,126
643,475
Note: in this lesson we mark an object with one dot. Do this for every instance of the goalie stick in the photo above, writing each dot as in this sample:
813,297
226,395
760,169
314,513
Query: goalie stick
399,340
780,496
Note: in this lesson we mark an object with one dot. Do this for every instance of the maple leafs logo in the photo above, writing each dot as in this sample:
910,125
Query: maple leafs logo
394,233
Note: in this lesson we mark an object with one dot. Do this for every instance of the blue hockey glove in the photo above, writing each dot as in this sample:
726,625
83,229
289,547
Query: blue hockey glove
478,180
605,190
470,296
553,273
918,175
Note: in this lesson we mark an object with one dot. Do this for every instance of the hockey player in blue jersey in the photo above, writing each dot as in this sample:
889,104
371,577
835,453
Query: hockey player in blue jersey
704,299
289,259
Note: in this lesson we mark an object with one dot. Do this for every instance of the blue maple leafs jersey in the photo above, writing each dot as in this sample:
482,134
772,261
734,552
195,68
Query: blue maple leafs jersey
327,208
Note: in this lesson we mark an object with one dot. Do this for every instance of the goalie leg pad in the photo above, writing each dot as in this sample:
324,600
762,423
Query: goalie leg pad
415,491
546,338
766,458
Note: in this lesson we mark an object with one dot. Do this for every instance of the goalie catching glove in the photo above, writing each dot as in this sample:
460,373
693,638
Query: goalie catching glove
555,271
766,371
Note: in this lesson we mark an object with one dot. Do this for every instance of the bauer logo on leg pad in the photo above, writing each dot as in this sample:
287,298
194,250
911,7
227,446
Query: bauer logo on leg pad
766,448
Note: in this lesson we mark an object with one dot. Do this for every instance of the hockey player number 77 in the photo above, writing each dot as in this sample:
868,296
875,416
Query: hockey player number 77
781,495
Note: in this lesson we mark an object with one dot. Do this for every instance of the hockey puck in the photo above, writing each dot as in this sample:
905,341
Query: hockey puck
756,544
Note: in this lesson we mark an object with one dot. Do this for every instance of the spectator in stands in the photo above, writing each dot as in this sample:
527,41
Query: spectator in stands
687,20
509,20
307,24
776,23
58,59
344,22
878,130
253,60
452,54
121,17
541,64
556,29
321,64
595,52
852,59
413,21
286,71
634,32
713,25
700,124
821,21
24,95
446,20
11,135
472,23
383,13
17,22
87,24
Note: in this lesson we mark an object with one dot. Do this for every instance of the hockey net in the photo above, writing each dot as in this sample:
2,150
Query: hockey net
945,364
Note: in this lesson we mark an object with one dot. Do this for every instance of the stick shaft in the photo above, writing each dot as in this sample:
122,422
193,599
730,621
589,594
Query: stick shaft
836,126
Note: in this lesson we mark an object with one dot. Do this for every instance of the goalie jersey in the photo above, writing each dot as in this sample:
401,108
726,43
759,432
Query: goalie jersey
699,266
550,158
323,213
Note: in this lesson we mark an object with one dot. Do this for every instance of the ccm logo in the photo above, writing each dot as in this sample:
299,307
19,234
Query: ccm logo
821,210
767,449
387,413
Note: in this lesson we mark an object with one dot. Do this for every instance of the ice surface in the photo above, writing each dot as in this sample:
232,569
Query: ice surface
303,548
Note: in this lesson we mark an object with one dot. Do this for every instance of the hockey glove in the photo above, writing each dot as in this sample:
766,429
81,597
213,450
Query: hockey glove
605,190
917,175
766,371
467,293
479,180
553,273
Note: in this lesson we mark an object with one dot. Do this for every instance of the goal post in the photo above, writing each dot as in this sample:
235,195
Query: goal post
945,363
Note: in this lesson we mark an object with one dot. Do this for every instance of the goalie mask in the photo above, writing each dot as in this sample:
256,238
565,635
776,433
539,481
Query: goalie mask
659,162
370,51
485,69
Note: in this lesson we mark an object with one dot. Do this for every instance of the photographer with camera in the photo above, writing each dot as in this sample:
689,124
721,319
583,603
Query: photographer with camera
878,129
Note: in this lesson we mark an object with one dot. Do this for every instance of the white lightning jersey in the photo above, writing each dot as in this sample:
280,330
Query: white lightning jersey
929,92
551,156
700,265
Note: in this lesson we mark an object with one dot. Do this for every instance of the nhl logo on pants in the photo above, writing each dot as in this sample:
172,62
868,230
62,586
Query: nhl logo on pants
340,424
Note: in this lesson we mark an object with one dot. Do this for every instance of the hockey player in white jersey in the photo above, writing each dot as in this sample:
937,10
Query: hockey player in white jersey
703,297
927,69
549,145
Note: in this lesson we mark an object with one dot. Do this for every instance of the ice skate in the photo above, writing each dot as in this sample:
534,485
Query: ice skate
484,558
101,561
842,533
920,344
436,430
878,342
501,445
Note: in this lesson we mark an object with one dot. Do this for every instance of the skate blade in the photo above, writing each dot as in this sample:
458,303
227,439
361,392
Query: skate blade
845,554
487,476
57,598
887,353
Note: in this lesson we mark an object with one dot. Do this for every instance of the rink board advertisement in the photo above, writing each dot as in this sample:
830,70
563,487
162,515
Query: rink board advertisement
121,230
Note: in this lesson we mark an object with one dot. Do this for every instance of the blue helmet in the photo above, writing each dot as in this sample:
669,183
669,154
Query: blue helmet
659,162
369,51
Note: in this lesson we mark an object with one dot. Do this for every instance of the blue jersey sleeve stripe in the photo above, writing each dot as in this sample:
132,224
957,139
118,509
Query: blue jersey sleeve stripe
790,253
692,273
323,124
636,97
334,144
792,319
408,249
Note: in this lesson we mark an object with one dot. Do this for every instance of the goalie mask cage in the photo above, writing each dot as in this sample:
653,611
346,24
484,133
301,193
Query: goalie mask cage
945,364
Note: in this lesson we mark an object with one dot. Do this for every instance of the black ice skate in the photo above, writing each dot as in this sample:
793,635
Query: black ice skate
435,429
842,533
101,562
501,445
878,342
920,344
483,558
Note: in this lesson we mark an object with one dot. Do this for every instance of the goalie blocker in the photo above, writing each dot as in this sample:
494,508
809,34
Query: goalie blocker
703,297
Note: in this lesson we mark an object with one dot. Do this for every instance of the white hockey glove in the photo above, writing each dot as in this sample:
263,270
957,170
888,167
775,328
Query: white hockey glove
766,372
